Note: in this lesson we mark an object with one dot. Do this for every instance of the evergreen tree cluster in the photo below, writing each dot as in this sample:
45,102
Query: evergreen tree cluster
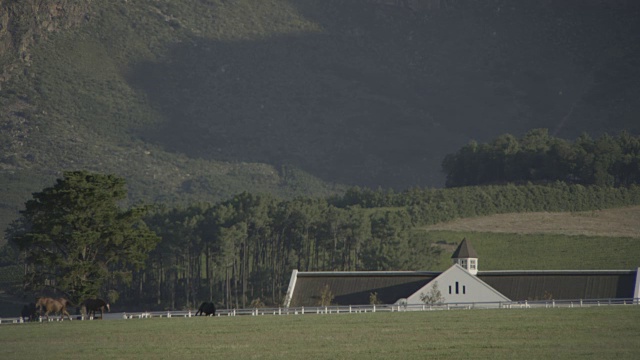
242,251
245,248
541,158
430,206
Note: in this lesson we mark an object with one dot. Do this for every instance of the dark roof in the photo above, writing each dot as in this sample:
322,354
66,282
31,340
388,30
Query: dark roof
561,285
354,288
464,250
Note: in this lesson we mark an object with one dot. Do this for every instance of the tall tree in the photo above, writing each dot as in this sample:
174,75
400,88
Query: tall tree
76,236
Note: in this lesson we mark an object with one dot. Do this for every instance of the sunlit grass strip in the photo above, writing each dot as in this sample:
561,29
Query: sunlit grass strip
499,251
598,333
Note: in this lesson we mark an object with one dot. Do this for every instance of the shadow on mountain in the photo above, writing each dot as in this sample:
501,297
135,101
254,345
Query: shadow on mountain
379,99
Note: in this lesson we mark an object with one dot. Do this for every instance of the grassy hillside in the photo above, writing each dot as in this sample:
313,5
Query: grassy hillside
618,222
200,100
604,239
589,333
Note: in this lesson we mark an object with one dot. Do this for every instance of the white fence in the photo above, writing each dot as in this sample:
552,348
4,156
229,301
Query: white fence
361,309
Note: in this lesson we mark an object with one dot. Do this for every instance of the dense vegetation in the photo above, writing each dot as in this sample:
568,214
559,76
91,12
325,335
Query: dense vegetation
201,100
241,251
74,237
538,157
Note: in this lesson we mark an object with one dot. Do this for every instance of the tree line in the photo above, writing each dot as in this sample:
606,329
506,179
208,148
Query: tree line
75,237
539,157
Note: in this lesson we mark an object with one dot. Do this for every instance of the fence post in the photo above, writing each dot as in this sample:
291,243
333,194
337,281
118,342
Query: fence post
168,314
580,302
349,309
374,307
303,310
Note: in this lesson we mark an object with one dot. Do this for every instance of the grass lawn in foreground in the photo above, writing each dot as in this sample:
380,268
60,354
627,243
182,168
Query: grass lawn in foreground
571,333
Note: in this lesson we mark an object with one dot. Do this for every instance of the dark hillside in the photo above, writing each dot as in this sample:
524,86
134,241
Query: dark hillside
203,99
382,93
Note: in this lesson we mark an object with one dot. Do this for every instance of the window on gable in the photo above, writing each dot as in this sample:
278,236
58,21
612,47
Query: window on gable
464,289
457,292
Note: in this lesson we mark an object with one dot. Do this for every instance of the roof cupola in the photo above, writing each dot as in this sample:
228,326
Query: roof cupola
466,257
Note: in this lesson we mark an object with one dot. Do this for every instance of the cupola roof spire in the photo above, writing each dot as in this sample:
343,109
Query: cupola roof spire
464,250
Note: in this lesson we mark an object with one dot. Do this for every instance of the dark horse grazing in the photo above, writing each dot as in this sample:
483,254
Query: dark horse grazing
29,312
207,308
90,306
55,306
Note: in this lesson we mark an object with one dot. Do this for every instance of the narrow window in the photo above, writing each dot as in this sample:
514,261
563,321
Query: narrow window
457,288
449,289
464,289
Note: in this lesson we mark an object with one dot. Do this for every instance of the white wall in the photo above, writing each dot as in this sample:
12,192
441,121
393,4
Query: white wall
456,285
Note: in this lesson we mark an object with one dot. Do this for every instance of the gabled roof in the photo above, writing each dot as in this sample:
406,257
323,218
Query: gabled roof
354,288
562,284
464,250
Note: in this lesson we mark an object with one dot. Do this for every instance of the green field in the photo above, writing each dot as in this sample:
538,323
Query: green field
500,251
570,333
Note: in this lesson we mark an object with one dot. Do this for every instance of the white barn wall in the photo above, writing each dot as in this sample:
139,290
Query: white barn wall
470,288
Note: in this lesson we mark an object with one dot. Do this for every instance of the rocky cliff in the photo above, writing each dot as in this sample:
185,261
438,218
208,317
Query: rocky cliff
25,22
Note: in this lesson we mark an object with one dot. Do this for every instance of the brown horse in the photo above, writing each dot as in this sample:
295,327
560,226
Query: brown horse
55,306
90,306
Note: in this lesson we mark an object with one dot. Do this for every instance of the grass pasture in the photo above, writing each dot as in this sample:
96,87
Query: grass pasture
569,333
616,222
502,251
602,239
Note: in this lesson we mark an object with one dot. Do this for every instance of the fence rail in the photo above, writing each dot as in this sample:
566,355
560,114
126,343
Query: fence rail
357,309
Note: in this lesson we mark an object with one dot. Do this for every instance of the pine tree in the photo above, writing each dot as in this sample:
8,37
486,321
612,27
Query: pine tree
76,236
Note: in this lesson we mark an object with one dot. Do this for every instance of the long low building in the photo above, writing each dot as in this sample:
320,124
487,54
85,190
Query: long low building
461,283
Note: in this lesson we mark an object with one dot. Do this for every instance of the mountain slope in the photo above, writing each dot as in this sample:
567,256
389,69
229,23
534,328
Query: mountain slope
197,100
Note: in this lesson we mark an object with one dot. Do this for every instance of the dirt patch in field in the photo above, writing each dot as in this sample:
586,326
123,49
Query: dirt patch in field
620,222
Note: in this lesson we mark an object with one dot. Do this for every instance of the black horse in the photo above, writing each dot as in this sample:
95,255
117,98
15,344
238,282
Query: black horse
29,312
207,308
90,306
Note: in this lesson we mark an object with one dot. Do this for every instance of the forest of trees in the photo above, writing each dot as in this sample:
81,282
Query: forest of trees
240,252
539,157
